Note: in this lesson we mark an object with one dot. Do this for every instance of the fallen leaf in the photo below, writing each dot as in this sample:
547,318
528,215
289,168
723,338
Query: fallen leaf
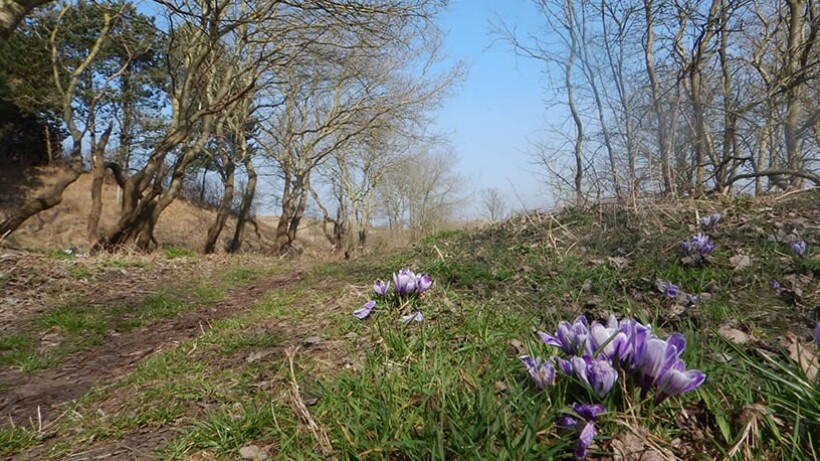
733,334
805,354
630,447
518,348
618,262
740,262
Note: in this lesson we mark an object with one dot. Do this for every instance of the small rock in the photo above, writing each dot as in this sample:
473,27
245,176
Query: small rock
253,453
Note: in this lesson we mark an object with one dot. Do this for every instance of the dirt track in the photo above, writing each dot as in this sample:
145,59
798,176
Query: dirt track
47,391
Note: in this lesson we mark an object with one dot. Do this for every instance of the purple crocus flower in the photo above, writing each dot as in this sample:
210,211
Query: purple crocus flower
608,340
380,287
817,334
404,282
423,282
692,299
572,338
585,440
636,334
676,380
414,317
597,374
698,243
798,247
364,311
669,289
541,371
655,356
776,285
564,365
710,221
587,413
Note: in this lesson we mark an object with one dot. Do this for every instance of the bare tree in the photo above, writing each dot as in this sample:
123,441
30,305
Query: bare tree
493,204
67,81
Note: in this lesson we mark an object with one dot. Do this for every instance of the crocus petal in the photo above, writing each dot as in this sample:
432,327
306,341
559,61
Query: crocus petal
588,411
414,317
423,283
364,311
580,367
602,377
585,440
550,340
566,422
541,371
564,365
799,247
676,382
380,287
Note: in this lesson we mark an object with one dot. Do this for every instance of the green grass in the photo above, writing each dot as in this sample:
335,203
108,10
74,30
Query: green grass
453,387
178,252
13,439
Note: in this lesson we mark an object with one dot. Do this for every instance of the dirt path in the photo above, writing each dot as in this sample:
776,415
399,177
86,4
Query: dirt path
23,396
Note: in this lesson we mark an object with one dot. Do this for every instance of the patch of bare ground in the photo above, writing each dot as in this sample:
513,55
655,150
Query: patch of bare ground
310,341
39,396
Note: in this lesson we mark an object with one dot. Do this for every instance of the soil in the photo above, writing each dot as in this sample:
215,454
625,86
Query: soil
41,397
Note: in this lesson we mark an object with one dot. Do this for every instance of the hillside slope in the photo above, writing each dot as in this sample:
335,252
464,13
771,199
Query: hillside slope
183,224
293,374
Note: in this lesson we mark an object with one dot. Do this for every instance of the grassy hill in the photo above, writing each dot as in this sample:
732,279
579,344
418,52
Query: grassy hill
294,375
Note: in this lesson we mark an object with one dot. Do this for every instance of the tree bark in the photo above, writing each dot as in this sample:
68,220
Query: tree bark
244,207
97,178
224,209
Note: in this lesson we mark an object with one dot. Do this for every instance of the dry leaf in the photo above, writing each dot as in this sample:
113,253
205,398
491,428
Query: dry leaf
805,354
740,262
618,262
733,334
630,447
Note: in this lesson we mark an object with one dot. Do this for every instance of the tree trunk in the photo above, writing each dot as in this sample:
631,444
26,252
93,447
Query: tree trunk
661,135
576,117
224,209
793,109
244,207
97,178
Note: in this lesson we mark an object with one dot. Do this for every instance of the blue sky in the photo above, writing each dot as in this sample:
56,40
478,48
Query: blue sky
495,114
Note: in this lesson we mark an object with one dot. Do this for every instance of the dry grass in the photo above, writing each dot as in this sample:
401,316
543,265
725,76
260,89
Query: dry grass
183,224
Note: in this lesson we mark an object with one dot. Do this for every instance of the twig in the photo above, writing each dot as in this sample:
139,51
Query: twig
301,409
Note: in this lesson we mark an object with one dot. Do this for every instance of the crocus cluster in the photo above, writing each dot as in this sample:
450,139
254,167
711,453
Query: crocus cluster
710,221
406,285
799,247
698,244
598,354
